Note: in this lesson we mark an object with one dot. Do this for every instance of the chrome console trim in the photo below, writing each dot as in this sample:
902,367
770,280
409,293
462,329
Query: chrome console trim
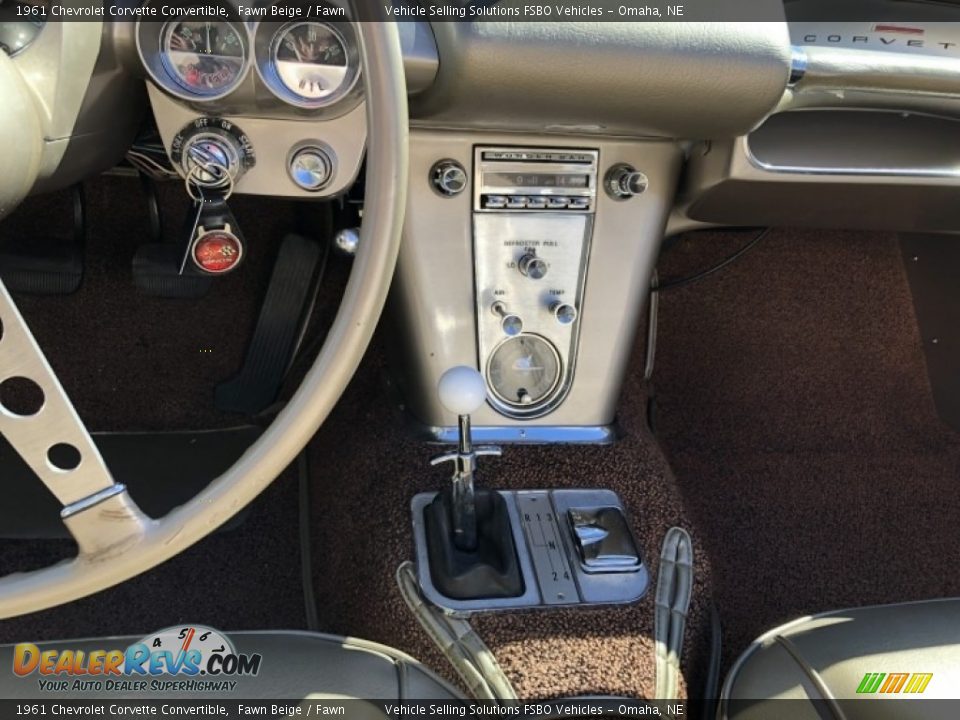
528,434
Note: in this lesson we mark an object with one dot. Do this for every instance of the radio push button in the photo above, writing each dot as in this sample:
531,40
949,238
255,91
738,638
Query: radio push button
536,202
495,202
517,202
558,203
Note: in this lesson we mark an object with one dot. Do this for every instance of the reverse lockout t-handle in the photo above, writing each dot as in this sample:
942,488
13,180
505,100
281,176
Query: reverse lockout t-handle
463,391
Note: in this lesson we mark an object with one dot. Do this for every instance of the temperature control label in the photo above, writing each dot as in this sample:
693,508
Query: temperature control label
550,562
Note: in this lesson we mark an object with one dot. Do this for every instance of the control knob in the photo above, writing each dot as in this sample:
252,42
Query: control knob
449,177
532,266
510,324
565,313
624,181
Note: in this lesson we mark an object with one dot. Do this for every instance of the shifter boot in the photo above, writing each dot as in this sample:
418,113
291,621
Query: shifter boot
492,570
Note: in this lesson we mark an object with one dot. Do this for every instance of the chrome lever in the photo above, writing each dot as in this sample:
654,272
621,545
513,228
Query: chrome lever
462,391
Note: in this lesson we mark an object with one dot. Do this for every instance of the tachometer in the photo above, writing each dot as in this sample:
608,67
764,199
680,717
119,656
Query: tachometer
206,58
312,62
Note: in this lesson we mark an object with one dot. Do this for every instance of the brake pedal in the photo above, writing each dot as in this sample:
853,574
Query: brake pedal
156,272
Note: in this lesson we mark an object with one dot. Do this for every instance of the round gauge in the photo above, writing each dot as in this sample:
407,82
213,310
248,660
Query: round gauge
17,28
206,58
524,370
311,61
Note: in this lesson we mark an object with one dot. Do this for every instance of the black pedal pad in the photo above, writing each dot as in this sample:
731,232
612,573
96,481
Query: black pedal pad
156,272
44,266
285,311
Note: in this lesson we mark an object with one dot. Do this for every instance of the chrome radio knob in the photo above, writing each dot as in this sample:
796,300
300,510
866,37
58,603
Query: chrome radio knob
624,181
510,324
532,266
449,177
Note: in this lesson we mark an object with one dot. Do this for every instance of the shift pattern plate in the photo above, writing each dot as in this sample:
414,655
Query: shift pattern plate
547,553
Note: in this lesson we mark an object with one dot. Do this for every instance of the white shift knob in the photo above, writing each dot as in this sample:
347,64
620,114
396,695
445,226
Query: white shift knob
462,390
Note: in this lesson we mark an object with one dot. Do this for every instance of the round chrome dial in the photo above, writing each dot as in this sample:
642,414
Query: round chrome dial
311,63
206,58
524,370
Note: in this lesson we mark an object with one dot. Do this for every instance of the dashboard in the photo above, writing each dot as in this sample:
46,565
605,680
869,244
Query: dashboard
547,159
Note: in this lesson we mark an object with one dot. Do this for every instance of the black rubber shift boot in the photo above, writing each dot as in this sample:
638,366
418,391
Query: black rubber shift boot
490,571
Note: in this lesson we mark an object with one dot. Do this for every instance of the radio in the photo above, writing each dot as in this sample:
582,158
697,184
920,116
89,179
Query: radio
535,180
532,226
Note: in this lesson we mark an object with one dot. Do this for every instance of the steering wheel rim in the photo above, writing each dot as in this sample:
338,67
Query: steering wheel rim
116,540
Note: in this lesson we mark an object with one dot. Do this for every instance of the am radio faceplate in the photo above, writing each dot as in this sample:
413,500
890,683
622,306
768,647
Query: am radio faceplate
532,226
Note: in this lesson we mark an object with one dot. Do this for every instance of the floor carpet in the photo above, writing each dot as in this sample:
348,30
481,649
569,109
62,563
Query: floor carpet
794,405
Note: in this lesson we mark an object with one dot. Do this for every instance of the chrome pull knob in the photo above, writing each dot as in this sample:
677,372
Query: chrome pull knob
510,323
532,266
564,313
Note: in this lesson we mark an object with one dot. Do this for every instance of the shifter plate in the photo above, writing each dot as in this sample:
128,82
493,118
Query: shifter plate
550,560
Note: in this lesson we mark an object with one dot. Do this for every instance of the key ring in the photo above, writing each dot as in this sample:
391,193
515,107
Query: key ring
192,180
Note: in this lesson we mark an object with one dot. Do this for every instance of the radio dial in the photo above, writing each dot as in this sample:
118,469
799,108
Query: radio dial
624,181
532,266
449,178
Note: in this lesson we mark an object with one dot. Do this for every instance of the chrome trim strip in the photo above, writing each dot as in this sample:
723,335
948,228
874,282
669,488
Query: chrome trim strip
798,65
868,172
88,502
529,435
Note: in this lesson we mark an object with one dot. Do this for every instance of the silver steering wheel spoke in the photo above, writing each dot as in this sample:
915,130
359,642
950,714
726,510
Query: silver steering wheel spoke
52,440
116,540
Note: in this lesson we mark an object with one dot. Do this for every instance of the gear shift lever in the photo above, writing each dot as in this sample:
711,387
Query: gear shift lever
463,392
469,533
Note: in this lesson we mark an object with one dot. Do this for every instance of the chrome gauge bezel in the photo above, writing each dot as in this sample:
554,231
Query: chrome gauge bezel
151,39
268,36
165,35
539,407
38,24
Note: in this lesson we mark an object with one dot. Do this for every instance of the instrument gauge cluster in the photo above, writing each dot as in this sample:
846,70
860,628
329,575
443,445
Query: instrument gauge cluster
204,57
308,63
201,53
206,52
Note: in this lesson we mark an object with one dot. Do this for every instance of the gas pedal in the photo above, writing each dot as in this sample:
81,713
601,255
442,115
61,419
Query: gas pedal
283,317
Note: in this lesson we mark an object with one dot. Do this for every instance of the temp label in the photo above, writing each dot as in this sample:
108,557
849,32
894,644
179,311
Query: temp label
547,550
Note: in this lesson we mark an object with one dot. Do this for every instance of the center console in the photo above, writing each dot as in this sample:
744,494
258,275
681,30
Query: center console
527,258
483,549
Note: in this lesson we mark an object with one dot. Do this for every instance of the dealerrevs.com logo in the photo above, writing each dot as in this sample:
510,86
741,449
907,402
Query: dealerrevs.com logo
177,659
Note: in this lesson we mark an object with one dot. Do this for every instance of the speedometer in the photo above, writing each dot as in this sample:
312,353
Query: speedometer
312,62
206,58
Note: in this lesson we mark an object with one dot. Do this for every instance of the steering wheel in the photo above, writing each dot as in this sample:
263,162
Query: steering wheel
116,540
